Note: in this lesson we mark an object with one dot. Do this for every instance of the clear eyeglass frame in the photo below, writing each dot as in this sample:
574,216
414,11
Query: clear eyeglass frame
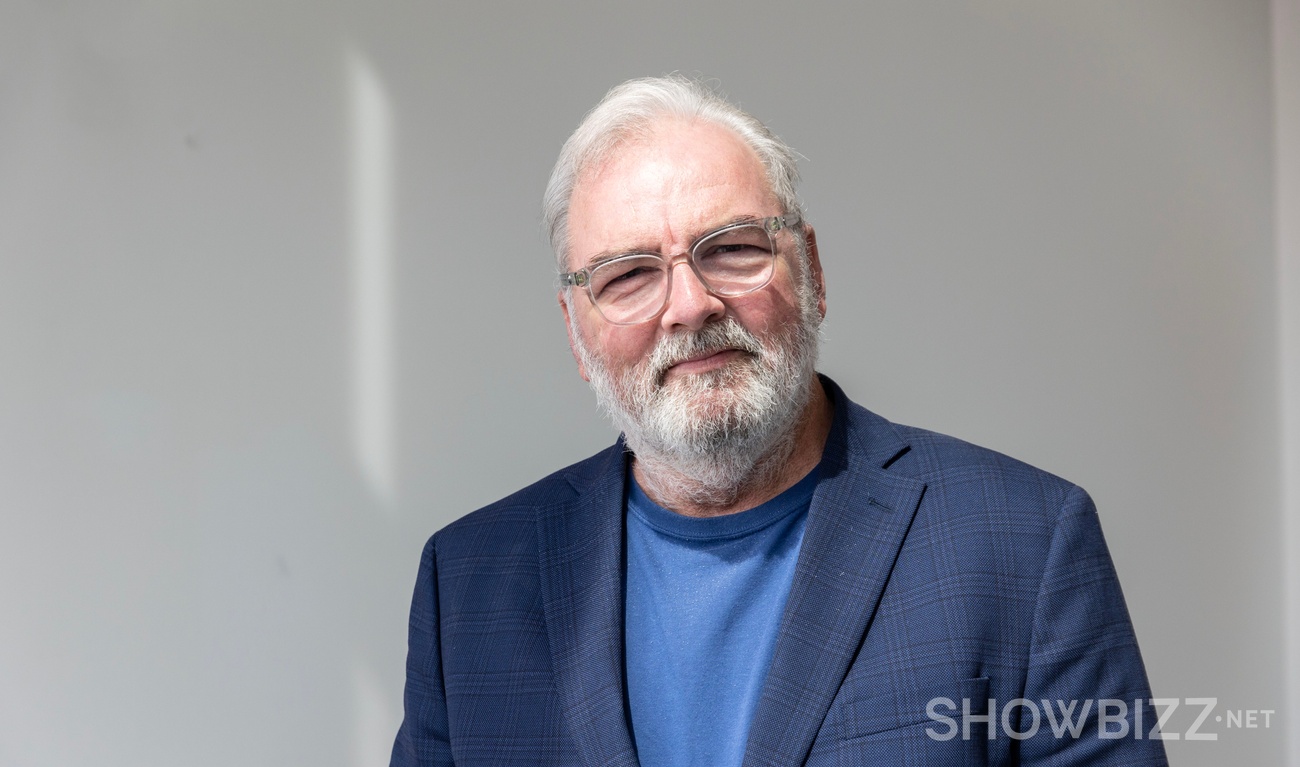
773,225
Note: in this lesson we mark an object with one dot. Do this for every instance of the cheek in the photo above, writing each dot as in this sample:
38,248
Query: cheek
770,312
621,347
629,346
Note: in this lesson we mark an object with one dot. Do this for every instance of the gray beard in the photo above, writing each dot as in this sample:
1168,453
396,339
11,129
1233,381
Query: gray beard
711,434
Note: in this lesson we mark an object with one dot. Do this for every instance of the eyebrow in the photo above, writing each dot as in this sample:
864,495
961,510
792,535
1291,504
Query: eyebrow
610,255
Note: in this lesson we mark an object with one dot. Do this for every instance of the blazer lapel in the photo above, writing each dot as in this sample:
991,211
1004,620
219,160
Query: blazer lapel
581,558
859,516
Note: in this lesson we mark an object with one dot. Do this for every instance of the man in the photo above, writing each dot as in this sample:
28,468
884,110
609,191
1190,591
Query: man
760,571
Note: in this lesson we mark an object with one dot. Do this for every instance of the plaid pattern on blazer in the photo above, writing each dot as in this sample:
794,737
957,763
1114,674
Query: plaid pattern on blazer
930,569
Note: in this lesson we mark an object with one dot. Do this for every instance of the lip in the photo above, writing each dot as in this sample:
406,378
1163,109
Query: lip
703,363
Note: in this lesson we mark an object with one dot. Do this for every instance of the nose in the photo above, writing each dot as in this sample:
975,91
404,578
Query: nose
690,304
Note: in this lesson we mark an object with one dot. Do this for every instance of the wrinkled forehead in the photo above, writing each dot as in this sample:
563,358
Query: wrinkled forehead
661,189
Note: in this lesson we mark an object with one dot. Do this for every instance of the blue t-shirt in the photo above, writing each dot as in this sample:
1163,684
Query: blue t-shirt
704,601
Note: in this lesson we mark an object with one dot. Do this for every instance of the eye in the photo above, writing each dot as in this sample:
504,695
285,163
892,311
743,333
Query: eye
731,253
630,274
733,247
625,277
739,241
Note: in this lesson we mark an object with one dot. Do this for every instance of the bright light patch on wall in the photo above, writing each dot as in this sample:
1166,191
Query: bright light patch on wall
371,235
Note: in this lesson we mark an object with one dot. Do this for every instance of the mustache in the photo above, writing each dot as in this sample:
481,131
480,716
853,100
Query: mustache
726,334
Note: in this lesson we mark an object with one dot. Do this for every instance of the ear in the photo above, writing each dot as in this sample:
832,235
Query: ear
568,326
815,268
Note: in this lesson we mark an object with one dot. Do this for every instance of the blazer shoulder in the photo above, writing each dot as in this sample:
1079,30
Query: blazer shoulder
516,514
944,461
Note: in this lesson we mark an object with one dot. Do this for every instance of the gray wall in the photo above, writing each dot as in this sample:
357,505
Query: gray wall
1286,121
274,307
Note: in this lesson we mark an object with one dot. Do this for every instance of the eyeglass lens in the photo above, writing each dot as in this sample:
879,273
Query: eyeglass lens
731,262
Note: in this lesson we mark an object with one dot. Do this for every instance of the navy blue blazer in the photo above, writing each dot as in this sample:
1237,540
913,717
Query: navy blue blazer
933,575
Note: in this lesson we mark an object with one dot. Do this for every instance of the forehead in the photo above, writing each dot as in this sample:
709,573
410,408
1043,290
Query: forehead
660,191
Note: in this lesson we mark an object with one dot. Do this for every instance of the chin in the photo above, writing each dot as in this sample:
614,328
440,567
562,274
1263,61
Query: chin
716,415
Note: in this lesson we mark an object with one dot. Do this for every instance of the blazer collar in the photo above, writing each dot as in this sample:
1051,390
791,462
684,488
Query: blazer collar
859,516
581,560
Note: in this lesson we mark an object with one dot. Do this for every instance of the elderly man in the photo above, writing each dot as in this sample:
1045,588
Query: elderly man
759,572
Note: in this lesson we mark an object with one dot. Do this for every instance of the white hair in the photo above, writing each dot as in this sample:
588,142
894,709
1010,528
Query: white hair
631,110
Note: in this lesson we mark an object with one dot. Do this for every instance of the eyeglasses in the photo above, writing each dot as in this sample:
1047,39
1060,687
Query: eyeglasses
737,259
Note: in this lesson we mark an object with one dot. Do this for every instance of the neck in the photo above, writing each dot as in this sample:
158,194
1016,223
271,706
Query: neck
784,464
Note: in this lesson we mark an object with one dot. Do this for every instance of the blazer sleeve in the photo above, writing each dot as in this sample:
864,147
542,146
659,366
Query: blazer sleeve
1084,662
424,739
